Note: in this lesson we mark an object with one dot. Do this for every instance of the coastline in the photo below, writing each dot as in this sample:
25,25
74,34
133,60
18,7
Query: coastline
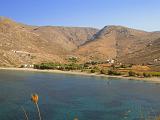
151,79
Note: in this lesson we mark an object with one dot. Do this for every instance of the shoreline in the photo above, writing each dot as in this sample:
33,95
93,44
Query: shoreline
150,80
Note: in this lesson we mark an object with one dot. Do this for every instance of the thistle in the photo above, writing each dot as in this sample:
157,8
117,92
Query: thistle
75,118
26,117
34,99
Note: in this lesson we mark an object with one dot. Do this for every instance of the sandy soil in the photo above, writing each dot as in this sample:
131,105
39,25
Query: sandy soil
151,79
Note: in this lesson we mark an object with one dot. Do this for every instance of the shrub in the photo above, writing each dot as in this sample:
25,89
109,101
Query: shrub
110,72
123,66
131,73
36,66
156,74
94,63
102,71
113,66
138,74
47,66
130,65
147,75
93,71
22,66
85,65
113,72
59,66
73,59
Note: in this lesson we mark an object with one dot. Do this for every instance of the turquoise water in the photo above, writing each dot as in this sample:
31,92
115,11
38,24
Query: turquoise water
61,97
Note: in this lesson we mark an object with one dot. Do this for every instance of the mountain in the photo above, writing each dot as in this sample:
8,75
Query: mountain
22,44
150,55
26,44
124,44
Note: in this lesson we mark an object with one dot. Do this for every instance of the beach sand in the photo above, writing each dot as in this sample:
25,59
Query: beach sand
150,79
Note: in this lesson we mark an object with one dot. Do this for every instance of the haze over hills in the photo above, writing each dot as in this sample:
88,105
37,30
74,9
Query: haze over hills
24,44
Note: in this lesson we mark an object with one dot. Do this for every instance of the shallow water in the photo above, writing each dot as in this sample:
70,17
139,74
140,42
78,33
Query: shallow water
62,97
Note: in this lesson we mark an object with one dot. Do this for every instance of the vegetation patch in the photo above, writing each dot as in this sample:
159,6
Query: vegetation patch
114,72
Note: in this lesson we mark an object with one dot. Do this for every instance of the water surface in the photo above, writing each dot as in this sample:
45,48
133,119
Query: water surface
62,97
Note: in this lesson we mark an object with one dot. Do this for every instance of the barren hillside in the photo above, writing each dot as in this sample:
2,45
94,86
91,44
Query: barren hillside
20,44
117,42
25,44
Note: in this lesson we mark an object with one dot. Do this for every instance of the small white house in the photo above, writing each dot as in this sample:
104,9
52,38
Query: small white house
155,60
111,61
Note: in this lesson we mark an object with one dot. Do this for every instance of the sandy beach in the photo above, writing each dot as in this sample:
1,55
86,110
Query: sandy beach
151,79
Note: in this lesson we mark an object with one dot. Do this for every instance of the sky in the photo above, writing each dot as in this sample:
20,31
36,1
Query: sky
139,14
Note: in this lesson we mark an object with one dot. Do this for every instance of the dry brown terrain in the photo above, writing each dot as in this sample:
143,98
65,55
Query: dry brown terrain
25,44
126,45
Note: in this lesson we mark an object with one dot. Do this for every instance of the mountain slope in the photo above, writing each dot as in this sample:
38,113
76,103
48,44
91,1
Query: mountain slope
150,54
25,44
116,42
21,43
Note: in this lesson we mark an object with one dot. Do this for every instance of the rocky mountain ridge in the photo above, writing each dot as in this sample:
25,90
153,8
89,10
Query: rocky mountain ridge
25,44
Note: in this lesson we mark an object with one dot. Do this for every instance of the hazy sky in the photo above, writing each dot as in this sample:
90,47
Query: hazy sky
141,14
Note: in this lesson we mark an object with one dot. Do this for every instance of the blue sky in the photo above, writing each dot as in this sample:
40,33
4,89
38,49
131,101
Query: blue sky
140,14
